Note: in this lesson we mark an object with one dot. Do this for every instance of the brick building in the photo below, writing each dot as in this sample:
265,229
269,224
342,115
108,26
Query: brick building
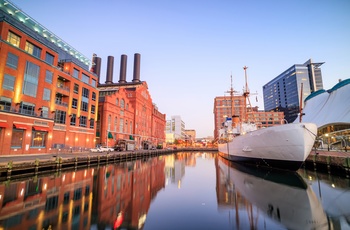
48,96
126,110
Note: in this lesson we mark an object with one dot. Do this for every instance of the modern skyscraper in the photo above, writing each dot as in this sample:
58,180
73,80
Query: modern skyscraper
284,91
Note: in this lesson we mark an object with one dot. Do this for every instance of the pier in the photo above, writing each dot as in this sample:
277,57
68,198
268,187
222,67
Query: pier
23,166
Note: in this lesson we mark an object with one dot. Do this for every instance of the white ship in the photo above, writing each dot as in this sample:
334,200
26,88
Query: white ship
282,196
284,146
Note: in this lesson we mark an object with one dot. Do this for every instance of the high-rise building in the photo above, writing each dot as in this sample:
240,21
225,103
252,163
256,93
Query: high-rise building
286,91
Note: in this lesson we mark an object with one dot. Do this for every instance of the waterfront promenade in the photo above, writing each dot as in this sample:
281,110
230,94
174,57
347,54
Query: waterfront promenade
320,160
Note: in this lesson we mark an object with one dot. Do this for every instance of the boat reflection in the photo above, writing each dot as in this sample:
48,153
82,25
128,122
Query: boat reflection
281,196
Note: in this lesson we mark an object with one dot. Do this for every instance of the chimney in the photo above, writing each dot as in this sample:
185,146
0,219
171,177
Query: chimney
96,66
136,77
122,76
109,74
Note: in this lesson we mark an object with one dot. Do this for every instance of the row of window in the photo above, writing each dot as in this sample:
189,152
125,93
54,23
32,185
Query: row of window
30,48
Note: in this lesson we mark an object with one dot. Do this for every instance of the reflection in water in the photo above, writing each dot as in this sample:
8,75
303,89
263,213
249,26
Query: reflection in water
282,196
175,192
96,198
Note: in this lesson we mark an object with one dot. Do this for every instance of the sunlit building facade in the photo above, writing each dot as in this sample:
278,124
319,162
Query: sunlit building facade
48,95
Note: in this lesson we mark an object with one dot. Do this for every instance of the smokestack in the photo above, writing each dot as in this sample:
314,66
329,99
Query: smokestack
136,77
122,75
109,74
96,66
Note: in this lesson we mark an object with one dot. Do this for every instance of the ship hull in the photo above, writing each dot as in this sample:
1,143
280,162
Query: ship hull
284,146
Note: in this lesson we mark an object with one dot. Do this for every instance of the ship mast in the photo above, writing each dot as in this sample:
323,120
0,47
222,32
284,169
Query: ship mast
246,94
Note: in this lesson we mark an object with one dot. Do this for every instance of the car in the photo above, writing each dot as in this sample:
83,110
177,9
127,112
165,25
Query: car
106,149
96,150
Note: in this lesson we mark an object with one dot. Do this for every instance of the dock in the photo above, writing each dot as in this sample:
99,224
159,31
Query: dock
24,166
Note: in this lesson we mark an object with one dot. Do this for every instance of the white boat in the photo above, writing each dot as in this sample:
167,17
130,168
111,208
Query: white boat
282,196
284,146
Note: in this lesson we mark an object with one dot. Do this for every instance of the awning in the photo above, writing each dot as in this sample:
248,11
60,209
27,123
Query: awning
41,128
110,135
21,126
3,124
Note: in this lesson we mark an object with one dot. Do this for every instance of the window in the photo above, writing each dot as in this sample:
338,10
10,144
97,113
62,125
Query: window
117,102
6,103
93,97
66,198
92,123
60,117
122,103
13,38
39,139
74,103
33,49
75,73
12,61
47,94
31,76
85,78
17,138
93,82
48,76
44,112
27,108
76,88
115,124
73,119
121,125
93,108
49,58
109,122
82,122
84,106
9,82
85,93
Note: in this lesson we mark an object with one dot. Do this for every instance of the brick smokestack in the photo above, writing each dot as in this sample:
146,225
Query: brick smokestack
137,60
110,66
123,64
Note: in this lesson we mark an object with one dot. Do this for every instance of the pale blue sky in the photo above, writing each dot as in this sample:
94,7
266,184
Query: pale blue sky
189,48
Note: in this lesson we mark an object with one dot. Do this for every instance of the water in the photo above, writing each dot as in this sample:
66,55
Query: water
186,190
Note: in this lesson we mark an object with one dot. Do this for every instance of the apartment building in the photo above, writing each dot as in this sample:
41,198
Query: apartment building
48,95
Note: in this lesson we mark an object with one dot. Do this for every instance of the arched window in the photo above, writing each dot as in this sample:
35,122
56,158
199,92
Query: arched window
115,123
109,122
122,103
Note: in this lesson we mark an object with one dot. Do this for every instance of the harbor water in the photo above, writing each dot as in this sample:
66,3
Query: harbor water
184,190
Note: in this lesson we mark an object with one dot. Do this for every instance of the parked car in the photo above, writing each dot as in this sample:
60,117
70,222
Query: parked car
96,150
106,149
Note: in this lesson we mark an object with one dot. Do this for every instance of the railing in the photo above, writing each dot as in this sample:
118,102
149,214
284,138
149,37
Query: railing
59,102
26,112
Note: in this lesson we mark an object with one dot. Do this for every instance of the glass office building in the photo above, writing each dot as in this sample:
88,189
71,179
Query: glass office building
285,92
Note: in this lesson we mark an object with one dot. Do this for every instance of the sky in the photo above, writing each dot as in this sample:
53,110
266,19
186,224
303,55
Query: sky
190,49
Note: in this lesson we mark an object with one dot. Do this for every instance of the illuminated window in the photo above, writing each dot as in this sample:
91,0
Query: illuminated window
13,38
33,49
